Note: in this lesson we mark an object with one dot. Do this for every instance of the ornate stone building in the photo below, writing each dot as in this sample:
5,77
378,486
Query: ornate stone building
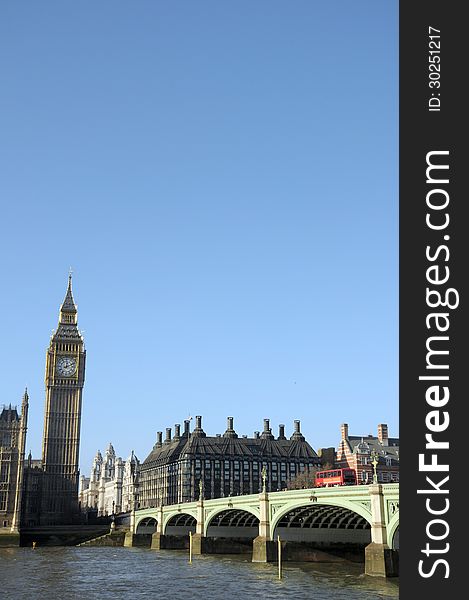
13,428
225,465
110,489
64,379
358,452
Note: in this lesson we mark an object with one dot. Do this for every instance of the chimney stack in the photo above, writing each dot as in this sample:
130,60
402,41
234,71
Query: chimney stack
159,439
198,431
281,432
230,432
168,435
344,431
297,435
177,431
267,433
383,434
187,428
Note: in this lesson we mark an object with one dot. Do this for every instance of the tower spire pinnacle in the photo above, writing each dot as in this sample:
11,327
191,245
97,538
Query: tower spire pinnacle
68,309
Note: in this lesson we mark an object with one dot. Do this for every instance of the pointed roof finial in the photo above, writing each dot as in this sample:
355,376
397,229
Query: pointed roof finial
68,305
25,395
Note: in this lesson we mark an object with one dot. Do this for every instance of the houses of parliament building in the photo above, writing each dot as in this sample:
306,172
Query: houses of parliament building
45,492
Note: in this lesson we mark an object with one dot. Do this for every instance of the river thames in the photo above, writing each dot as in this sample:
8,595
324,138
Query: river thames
68,573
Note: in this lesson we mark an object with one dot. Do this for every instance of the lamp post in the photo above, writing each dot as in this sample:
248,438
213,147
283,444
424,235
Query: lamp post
264,479
134,502
113,524
201,490
374,461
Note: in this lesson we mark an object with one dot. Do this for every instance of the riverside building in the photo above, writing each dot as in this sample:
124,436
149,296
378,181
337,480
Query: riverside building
359,451
222,465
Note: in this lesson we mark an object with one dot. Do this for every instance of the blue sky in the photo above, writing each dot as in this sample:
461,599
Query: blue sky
222,177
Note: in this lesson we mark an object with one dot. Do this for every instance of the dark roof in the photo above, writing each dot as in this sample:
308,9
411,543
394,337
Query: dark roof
66,331
68,305
369,443
221,447
9,414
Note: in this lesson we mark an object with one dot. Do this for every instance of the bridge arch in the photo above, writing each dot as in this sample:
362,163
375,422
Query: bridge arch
323,522
146,525
180,523
351,506
233,522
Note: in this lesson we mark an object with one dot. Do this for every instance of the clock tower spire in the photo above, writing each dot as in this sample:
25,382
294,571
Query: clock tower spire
68,309
64,380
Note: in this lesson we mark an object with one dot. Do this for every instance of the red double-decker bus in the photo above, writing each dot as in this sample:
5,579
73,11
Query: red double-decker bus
335,477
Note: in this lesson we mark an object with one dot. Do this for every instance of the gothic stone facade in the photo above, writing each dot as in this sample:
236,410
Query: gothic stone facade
110,489
12,444
223,465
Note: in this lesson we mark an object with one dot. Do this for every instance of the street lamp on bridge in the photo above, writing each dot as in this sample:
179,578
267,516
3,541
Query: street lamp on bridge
374,461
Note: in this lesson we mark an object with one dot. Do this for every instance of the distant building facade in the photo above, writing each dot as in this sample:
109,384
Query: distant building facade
357,451
13,428
110,489
223,465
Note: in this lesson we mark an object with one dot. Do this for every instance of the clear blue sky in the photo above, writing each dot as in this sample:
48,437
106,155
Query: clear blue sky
222,177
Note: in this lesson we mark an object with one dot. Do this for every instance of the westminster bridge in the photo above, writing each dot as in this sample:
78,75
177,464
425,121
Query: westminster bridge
310,520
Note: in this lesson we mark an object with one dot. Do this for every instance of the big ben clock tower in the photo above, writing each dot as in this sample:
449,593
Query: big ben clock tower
64,379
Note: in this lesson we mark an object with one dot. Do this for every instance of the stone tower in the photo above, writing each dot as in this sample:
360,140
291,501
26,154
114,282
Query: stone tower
13,428
64,379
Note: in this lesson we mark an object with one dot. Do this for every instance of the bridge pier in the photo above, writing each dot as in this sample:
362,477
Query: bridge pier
199,545
380,560
263,549
158,541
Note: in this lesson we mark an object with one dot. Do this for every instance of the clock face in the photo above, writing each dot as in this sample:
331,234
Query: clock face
66,365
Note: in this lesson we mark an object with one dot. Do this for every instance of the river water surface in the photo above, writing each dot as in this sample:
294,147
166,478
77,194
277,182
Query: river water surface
135,573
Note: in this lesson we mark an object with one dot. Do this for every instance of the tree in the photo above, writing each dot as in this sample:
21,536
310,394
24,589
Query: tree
307,478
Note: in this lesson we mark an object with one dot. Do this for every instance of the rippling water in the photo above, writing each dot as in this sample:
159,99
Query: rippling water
137,573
